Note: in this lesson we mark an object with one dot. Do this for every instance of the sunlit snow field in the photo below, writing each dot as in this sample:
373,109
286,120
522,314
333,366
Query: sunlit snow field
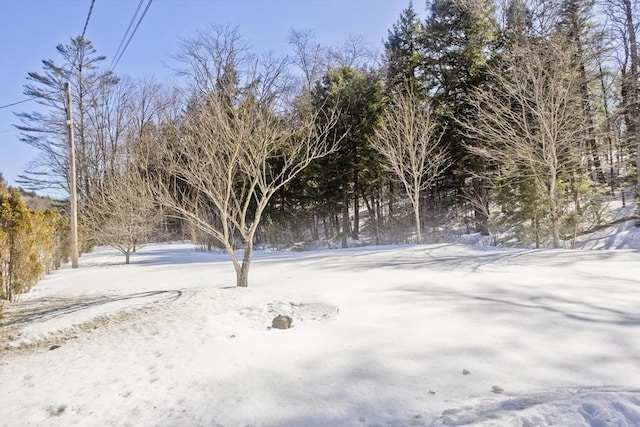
398,335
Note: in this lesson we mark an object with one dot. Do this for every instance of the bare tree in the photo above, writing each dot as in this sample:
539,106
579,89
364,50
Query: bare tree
227,164
409,140
309,56
122,212
355,53
530,119
238,144
215,60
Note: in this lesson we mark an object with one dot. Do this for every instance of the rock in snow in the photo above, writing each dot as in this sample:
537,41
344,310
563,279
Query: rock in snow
282,322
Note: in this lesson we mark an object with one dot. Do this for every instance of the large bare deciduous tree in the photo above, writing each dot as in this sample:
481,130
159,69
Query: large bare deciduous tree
239,143
529,119
228,163
409,140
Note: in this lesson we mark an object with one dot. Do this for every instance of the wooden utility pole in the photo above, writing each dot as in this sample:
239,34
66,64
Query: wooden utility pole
72,179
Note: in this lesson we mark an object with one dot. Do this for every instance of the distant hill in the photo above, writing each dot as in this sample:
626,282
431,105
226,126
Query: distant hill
33,200
36,202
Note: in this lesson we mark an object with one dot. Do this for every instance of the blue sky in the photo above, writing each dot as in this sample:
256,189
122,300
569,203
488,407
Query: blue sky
31,29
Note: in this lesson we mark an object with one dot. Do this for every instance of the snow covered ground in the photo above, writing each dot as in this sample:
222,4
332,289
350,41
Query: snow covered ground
424,335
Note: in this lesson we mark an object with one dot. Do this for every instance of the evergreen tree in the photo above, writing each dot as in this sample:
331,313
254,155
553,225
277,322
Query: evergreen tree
460,40
404,59
518,25
342,178
20,265
574,25
46,131
623,22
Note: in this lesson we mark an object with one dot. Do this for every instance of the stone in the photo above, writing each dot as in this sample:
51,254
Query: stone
282,322
496,389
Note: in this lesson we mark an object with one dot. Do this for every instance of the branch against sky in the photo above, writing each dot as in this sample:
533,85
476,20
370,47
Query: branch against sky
237,146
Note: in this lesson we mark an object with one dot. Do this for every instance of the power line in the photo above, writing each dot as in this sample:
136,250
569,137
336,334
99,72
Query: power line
135,29
19,102
124,37
84,30
132,34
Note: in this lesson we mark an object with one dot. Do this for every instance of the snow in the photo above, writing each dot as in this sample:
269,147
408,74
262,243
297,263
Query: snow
621,236
425,335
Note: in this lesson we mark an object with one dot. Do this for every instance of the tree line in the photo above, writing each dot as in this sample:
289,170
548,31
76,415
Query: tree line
33,242
514,118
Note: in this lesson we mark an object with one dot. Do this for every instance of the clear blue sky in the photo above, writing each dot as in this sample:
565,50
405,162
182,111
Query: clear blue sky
31,29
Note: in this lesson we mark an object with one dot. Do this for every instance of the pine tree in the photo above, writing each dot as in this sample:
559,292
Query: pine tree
574,25
342,178
46,132
404,59
460,40
518,25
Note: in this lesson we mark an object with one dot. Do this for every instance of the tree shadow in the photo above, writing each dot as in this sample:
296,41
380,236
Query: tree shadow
54,307
488,299
442,257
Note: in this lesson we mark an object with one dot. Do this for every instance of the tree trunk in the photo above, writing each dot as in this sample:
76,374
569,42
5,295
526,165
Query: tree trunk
314,230
553,208
379,218
608,131
373,214
345,220
416,214
127,256
392,199
326,227
481,212
356,215
592,146
242,273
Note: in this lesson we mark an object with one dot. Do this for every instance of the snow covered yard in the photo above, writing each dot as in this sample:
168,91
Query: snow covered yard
416,335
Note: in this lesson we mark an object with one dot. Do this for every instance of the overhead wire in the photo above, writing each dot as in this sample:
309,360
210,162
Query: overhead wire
84,31
19,102
86,22
119,53
118,56
124,37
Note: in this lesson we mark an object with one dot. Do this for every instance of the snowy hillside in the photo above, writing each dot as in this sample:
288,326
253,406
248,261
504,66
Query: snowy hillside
425,335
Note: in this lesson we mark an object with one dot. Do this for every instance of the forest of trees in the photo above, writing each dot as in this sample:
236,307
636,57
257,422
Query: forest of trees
510,118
